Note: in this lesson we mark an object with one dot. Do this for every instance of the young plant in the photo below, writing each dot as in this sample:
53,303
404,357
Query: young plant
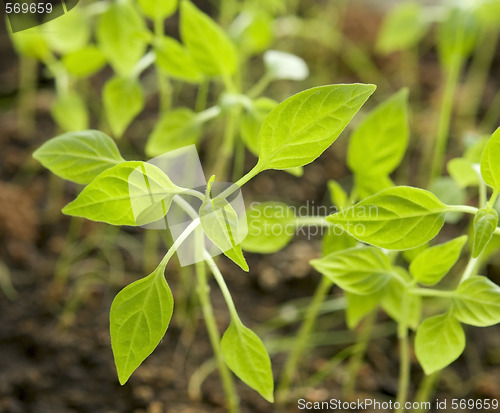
120,192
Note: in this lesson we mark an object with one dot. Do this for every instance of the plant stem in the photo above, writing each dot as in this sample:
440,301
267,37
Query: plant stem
213,333
303,335
404,354
226,151
27,89
425,390
357,358
452,78
164,87
260,86
429,292
461,208
202,95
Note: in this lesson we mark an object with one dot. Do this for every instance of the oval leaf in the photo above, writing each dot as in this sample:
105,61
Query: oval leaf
477,302
158,9
397,218
121,34
357,270
270,227
485,224
379,143
123,101
302,127
174,130
119,198
79,156
84,62
70,112
462,172
139,317
490,167
246,356
210,48
175,60
439,341
430,266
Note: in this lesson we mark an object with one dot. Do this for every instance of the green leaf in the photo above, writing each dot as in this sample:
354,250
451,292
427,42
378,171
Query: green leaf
378,144
210,48
302,127
439,341
490,167
158,9
338,195
84,62
121,34
79,156
123,101
174,130
175,60
367,185
477,302
222,226
139,317
31,43
430,266
359,306
485,224
462,172
253,31
130,193
70,112
69,32
457,35
251,121
336,239
393,294
448,192
271,226
403,28
246,356
397,218
281,65
360,271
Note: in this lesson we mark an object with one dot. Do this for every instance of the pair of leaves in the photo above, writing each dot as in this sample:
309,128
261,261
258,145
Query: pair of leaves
440,339
397,218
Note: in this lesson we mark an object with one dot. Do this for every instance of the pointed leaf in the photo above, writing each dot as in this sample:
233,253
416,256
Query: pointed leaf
302,127
158,9
391,301
246,356
210,48
462,172
485,224
359,306
70,112
123,101
439,341
357,270
477,302
79,156
270,227
490,167
139,317
175,129
379,143
84,62
430,266
396,218
124,195
175,60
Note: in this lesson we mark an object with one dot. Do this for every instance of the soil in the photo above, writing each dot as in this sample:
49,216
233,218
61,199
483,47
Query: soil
55,353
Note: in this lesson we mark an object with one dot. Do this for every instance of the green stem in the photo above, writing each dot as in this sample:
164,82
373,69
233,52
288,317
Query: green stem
214,336
26,97
226,151
425,390
303,335
404,354
452,78
260,86
461,208
429,292
478,73
164,86
357,358
202,95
